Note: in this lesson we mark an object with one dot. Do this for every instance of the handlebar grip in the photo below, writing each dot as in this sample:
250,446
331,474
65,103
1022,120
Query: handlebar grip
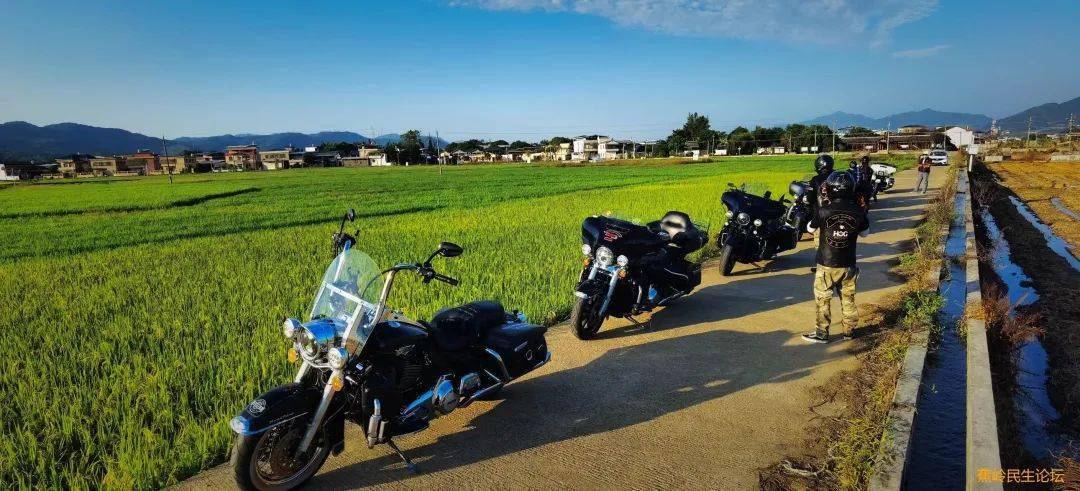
446,279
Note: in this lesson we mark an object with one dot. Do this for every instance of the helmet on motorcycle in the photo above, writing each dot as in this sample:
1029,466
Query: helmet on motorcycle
823,164
839,185
853,165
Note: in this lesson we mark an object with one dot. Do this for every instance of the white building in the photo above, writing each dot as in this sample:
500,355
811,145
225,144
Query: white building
960,137
4,176
588,147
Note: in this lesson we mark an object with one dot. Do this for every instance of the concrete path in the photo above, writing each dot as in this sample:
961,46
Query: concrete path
715,387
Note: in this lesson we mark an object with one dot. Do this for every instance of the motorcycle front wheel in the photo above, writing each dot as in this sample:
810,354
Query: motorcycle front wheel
585,321
268,461
727,260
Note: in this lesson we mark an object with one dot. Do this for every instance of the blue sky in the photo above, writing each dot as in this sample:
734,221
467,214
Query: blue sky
523,69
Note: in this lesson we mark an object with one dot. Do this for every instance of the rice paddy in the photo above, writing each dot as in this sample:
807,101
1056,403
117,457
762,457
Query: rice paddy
139,316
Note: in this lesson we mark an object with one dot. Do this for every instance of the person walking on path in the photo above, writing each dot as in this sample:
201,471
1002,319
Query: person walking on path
841,222
923,181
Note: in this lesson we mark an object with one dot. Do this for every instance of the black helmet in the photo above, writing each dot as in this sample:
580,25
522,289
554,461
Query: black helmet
865,160
823,164
853,164
839,185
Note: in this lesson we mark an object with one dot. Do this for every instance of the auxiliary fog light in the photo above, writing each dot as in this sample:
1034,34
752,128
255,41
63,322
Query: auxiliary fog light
757,222
337,358
293,355
289,327
622,261
585,249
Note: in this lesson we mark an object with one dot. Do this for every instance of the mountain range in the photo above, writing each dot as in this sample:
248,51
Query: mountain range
925,117
22,140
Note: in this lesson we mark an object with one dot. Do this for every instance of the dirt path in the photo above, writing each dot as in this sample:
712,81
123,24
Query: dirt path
712,389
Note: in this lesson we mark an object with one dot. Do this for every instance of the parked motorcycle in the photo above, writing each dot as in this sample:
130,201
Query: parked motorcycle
365,363
630,268
756,228
883,178
798,209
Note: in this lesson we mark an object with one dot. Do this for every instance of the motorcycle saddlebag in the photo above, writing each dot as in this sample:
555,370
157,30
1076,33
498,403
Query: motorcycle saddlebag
521,346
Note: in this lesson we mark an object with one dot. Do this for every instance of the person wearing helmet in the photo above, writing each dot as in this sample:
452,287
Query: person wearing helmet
841,223
823,166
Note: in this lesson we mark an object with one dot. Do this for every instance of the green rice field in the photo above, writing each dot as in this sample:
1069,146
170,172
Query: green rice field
139,316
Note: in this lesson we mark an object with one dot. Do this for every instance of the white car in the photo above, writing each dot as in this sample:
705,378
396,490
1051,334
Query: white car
939,157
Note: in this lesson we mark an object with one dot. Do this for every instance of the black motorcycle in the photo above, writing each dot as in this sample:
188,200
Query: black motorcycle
631,268
756,228
797,214
362,362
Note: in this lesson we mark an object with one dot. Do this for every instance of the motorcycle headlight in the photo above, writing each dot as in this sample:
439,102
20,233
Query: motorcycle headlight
604,256
757,222
307,343
622,261
730,214
337,357
743,218
314,339
585,249
289,327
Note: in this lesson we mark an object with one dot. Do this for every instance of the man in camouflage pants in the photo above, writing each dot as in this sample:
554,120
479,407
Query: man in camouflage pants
841,222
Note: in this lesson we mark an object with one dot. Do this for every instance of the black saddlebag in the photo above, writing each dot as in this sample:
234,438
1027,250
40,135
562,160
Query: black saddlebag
459,327
520,345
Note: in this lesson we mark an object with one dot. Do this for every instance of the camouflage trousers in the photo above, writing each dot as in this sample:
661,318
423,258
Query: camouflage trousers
826,281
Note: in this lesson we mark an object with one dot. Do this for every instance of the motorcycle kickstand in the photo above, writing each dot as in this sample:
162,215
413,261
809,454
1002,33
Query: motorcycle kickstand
637,322
412,468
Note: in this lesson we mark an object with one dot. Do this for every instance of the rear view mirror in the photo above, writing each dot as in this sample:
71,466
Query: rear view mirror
351,215
449,249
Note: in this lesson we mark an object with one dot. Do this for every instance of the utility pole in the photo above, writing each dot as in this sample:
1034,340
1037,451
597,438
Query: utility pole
888,131
1028,142
833,150
165,152
438,151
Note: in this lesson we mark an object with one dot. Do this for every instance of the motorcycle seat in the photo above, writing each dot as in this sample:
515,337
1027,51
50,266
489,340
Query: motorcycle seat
456,328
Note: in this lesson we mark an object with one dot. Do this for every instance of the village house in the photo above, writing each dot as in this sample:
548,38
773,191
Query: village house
74,166
107,166
275,159
245,157
142,162
176,164
588,147
563,152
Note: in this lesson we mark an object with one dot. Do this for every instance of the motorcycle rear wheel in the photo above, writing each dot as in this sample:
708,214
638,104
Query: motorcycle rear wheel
727,260
265,461
584,321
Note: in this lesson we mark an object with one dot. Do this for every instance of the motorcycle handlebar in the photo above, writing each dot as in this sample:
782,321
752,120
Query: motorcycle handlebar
446,279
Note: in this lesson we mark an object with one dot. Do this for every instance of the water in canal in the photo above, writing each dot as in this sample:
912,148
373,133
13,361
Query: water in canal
938,436
1036,415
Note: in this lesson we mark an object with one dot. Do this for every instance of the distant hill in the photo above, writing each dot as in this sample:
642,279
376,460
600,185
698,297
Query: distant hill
925,117
19,139
1048,117
22,140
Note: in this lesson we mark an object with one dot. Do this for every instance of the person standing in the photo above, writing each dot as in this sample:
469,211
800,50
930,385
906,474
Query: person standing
841,223
922,182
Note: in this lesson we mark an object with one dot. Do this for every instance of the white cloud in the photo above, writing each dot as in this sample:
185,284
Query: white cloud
798,21
921,52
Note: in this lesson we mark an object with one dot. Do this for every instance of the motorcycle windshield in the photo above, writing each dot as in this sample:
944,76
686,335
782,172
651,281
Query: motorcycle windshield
349,292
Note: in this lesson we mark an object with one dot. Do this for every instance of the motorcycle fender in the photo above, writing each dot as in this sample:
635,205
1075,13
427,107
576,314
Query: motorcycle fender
287,402
593,287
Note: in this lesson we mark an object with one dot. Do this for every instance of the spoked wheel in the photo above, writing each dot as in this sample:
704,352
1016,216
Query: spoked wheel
585,318
268,461
727,260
